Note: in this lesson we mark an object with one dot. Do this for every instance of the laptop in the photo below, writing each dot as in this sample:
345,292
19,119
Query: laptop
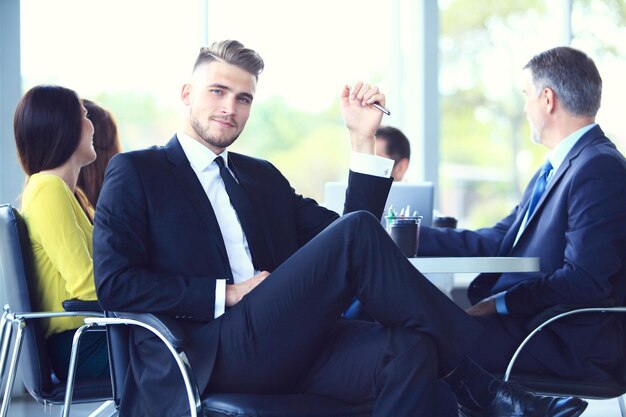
418,195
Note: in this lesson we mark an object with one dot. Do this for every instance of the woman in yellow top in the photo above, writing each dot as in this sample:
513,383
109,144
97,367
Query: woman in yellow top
54,141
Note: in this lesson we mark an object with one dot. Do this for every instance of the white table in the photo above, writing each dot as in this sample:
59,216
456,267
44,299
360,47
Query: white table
444,265
449,272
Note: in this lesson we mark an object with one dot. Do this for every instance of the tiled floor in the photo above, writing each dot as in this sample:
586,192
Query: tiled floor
26,407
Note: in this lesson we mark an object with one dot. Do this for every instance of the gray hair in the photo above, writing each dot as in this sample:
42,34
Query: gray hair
573,77
234,53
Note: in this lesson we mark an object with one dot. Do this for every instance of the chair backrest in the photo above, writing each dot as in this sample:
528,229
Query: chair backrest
17,273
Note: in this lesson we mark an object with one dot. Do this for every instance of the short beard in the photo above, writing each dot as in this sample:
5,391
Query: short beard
535,134
204,135
534,137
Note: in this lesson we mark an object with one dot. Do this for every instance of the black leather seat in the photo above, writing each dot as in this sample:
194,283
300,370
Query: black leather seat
552,385
29,346
214,404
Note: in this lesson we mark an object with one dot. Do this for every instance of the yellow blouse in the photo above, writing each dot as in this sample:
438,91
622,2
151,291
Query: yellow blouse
60,236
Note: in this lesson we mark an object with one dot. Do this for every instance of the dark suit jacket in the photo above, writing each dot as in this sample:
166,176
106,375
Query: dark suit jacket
158,248
579,233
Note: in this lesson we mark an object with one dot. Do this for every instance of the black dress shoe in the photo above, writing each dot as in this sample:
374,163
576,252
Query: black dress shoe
514,401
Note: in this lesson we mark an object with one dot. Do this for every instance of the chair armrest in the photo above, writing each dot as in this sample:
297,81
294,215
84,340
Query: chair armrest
554,311
167,326
550,321
170,333
75,304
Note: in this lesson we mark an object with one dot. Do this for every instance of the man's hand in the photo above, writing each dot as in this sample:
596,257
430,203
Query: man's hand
361,118
235,292
484,307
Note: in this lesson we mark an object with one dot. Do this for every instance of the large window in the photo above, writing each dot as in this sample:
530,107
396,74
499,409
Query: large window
129,56
599,28
133,56
310,49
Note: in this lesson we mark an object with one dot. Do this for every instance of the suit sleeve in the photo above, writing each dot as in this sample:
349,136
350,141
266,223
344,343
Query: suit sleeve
594,244
365,192
124,280
460,242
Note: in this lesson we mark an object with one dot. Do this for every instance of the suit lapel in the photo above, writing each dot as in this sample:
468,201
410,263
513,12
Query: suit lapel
586,140
181,169
254,189
509,239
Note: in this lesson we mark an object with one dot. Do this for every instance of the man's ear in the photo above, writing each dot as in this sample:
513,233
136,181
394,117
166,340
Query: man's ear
400,169
549,97
185,93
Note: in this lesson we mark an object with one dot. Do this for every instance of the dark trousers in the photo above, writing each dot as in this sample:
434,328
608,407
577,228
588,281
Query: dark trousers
493,354
287,334
93,356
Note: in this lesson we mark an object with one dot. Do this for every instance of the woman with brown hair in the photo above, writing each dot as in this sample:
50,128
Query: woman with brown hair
54,141
106,143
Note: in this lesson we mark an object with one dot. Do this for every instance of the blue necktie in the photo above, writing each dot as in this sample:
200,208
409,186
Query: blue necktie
261,257
540,187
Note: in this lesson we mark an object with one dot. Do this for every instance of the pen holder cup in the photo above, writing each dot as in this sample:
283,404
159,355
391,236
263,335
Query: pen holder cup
405,233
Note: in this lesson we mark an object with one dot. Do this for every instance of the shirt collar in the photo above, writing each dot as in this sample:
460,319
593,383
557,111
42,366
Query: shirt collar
200,157
559,153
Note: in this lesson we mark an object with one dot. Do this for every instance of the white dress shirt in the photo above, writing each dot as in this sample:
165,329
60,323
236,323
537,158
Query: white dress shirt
202,161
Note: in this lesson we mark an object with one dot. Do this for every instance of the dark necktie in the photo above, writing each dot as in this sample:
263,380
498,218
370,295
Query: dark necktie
261,258
540,187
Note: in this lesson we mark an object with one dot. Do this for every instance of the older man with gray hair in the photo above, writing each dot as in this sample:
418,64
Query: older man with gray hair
573,217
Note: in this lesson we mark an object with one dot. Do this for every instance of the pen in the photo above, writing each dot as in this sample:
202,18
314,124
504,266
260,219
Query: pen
376,104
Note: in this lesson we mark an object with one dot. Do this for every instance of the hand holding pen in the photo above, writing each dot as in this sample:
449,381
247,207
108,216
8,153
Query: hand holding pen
361,107
373,103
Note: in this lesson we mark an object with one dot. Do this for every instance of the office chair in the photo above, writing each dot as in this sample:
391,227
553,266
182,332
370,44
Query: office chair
554,385
214,404
29,347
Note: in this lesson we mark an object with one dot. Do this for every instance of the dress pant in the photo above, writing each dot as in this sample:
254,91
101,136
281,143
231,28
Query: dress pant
493,354
287,334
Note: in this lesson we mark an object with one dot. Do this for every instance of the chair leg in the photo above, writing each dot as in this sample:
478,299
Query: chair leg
622,406
71,373
6,329
107,409
13,368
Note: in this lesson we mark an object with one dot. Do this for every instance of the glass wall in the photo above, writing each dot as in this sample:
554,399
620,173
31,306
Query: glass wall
311,50
133,56
129,56
599,28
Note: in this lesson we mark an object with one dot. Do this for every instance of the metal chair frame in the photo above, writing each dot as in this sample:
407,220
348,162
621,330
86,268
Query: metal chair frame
509,368
193,396
8,322
18,271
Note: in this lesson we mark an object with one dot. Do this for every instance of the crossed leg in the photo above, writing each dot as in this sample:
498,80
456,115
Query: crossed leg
287,335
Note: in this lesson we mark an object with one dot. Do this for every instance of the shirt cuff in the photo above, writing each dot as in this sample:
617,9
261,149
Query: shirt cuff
501,303
220,297
371,164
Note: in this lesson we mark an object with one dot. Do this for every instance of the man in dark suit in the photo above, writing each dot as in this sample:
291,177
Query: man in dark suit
258,276
577,228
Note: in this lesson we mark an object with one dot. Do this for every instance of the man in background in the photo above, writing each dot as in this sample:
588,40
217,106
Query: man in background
391,143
